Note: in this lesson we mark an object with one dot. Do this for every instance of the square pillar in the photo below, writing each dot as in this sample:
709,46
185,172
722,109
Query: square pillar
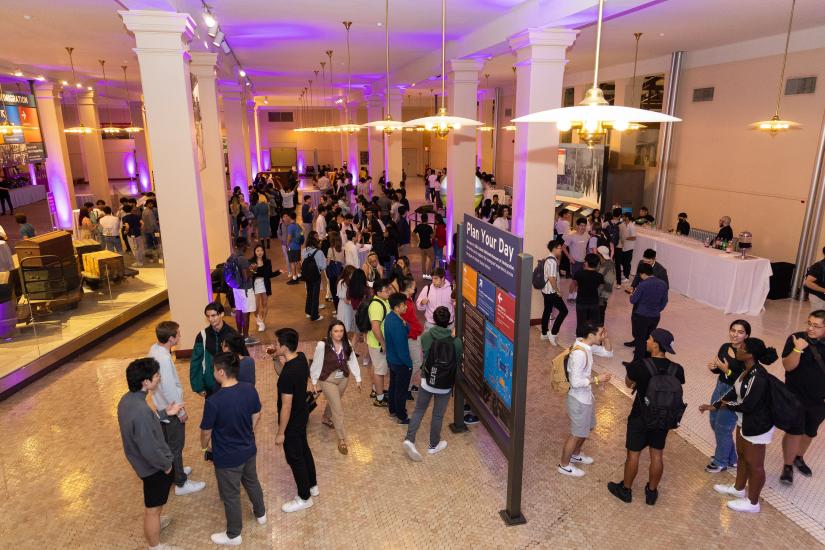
162,50
461,144
143,157
540,61
375,139
213,181
91,146
234,113
58,167
393,142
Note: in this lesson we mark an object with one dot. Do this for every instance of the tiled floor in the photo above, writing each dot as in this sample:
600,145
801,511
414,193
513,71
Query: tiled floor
65,484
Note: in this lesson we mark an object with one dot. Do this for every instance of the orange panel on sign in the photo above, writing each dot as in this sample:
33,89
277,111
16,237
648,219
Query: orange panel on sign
469,283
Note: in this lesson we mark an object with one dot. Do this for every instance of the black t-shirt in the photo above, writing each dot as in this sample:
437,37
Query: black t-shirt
638,373
293,381
683,227
725,234
817,271
807,380
425,234
588,289
736,367
134,224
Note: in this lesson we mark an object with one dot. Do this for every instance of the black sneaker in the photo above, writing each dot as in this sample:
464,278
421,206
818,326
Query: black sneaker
803,468
379,403
373,394
631,344
466,407
405,421
292,282
471,419
787,475
651,495
619,491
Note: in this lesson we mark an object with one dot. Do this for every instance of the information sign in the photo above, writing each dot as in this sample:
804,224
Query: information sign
486,297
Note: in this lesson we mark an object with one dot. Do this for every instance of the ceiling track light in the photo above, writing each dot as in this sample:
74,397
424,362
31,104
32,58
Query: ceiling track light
218,39
594,116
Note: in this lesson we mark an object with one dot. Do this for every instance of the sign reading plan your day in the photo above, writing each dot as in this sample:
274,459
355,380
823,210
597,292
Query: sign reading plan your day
491,251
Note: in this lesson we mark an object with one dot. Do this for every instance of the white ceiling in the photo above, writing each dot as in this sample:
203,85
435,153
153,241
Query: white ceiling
281,43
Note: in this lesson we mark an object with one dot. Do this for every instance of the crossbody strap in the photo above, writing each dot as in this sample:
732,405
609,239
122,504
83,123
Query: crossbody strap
817,356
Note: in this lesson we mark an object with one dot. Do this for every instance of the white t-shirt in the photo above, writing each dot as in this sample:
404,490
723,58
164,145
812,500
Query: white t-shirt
579,369
627,230
562,227
551,270
351,254
502,223
288,199
431,179
321,226
110,225
577,245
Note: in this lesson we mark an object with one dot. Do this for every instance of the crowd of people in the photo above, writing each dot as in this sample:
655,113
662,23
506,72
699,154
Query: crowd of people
355,250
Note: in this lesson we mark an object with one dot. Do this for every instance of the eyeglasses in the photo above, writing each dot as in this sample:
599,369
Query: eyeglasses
811,325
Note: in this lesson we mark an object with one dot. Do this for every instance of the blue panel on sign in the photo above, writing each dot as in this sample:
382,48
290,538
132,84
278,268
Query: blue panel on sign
498,363
486,298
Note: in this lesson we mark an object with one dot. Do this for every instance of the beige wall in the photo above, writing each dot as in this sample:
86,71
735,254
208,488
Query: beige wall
720,167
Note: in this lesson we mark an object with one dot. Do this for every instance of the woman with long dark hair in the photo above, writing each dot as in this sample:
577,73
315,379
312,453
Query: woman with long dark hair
333,363
261,270
750,400
344,312
727,368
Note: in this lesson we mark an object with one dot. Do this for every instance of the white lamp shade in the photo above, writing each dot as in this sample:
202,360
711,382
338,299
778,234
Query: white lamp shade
437,121
602,113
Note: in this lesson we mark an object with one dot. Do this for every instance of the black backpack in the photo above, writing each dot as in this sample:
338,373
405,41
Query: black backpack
439,367
538,274
785,406
662,407
232,273
309,269
362,315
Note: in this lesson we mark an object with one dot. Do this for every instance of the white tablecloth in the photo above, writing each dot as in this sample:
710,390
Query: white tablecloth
710,276
314,194
27,195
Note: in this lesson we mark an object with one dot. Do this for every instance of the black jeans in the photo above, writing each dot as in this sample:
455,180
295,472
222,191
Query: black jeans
627,259
313,296
229,489
399,382
174,432
553,301
585,313
5,198
642,327
618,256
299,458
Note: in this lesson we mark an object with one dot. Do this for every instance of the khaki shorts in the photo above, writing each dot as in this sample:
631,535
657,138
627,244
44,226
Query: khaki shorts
379,362
416,353
582,417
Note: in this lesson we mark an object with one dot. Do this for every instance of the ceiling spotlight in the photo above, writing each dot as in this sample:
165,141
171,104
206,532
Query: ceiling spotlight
225,47
18,72
78,85
209,19
242,73
380,24
27,17
40,78
64,82
218,38
90,88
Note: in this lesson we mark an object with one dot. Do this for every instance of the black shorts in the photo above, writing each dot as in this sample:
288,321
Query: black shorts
293,255
156,488
812,417
639,437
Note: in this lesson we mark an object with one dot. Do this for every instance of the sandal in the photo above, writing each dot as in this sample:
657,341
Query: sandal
328,423
342,448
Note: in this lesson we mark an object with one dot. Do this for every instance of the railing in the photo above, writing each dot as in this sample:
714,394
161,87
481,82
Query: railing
704,234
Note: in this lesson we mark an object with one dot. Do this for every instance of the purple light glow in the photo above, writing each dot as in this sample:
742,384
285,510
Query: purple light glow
129,161
33,174
267,162
300,163
145,184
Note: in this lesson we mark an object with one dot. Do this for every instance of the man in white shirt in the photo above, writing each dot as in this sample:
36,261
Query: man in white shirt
552,294
110,225
580,406
323,182
321,222
575,248
563,223
168,391
627,239
351,247
432,180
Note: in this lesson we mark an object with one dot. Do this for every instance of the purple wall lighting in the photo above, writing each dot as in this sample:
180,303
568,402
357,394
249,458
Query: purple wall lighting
129,163
301,163
33,174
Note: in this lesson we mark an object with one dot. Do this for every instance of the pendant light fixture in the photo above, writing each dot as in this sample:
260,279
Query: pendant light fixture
334,127
485,127
775,124
635,125
594,116
131,129
81,129
442,123
110,130
349,127
387,124
325,127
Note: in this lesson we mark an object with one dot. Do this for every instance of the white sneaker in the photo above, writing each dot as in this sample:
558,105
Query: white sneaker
187,470
545,336
552,339
190,487
438,448
365,361
570,470
314,491
261,520
168,547
729,490
297,504
321,306
581,459
164,522
221,538
743,505
261,326
412,452
308,316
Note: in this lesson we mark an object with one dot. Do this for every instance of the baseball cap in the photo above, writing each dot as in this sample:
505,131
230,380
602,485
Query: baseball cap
664,338
604,251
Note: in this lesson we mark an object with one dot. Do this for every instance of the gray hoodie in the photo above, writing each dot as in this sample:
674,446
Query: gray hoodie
143,441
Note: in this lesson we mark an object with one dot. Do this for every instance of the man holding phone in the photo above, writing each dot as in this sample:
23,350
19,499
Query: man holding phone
144,445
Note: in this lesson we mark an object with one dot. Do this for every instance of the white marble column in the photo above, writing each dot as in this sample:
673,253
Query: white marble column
254,141
234,113
540,61
461,144
213,180
162,50
375,139
392,142
143,157
91,145
58,167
